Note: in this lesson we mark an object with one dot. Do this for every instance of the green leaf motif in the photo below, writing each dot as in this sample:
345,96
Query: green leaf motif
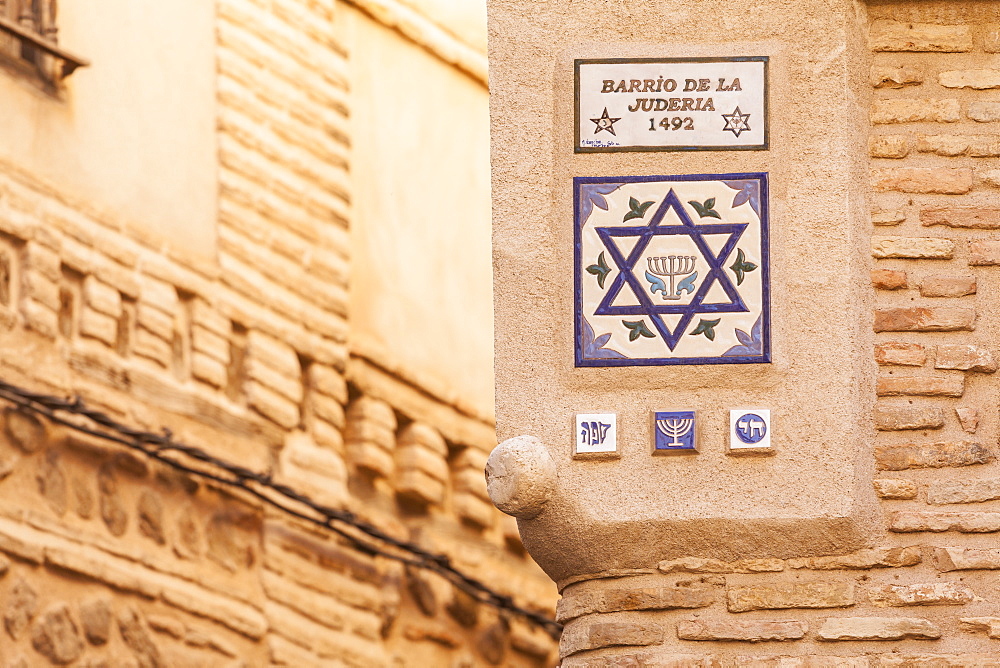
601,270
706,327
636,210
637,328
741,266
706,210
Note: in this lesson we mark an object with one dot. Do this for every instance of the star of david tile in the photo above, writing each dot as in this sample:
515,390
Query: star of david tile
672,270
627,279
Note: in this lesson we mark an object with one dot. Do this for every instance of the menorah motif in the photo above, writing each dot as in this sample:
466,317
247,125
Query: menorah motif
671,267
675,428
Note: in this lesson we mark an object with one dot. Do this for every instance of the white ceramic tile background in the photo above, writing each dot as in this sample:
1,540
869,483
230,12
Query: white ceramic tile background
695,347
754,425
596,433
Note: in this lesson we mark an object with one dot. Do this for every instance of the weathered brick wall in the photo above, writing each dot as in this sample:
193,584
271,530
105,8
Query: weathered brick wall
926,595
107,559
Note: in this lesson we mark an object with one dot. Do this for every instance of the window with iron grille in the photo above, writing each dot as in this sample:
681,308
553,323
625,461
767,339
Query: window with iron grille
28,39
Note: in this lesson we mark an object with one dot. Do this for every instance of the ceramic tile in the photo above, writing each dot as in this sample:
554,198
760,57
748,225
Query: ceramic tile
675,432
672,270
596,433
671,104
750,429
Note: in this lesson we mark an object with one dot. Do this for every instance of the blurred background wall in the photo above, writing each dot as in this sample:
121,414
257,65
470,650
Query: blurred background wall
261,225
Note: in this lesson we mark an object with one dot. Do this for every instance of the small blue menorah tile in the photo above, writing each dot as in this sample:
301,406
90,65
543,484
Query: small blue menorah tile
675,431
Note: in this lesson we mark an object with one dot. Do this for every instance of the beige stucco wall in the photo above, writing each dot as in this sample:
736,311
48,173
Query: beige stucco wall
812,496
134,133
421,299
234,118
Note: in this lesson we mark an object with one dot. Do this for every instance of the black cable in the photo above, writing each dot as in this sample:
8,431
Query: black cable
366,537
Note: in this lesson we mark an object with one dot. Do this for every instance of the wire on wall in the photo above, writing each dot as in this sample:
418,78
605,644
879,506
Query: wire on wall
194,461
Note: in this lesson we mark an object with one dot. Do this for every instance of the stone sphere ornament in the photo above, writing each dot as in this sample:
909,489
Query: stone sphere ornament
520,476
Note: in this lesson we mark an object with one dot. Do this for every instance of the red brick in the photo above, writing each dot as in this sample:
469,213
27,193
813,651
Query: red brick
983,79
924,319
897,352
972,522
888,146
745,631
965,358
878,628
947,286
930,593
790,595
887,218
968,418
879,557
923,180
930,455
911,110
887,35
888,279
913,248
963,491
977,146
991,625
984,252
935,661
949,559
895,418
895,488
946,145
921,386
991,37
586,634
896,77
675,597
984,112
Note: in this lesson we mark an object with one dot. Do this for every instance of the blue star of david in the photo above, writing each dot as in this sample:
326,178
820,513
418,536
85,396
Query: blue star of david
646,307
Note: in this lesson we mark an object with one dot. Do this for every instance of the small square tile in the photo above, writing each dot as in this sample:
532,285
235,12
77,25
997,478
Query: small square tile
750,430
596,433
675,432
672,270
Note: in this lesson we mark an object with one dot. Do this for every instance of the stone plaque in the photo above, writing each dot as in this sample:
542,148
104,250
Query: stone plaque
671,104
672,270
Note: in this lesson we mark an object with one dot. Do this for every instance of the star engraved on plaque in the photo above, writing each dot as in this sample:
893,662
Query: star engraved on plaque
605,122
737,122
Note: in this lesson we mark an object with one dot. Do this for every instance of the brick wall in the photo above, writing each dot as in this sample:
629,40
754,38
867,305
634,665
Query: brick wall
926,594
107,559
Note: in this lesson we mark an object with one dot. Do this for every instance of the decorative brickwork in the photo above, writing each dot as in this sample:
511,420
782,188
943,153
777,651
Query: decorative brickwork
107,559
